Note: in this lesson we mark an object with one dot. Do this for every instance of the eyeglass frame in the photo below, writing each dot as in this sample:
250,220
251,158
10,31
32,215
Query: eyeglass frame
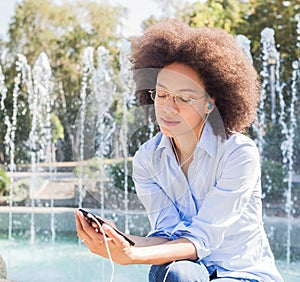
188,102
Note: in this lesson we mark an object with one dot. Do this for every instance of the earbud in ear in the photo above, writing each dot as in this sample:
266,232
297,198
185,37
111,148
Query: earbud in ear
209,106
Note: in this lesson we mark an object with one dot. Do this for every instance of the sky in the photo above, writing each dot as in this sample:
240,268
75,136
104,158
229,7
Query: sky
138,10
6,12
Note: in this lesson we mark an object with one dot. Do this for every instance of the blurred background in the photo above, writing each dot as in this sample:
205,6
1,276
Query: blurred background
70,123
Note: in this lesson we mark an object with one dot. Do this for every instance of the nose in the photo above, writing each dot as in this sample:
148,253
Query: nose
170,105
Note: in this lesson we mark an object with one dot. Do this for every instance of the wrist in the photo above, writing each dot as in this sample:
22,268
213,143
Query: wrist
136,255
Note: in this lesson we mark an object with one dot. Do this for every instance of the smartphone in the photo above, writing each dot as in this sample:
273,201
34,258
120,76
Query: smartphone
89,218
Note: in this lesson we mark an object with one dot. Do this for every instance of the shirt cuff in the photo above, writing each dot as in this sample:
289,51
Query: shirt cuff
202,251
159,233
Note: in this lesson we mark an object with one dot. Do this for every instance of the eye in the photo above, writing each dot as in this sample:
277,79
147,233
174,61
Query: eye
161,93
185,100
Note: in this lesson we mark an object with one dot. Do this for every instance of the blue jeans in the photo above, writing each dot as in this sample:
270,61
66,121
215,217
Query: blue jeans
184,271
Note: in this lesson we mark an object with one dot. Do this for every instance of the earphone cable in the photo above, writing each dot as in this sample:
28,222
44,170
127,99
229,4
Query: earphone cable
106,245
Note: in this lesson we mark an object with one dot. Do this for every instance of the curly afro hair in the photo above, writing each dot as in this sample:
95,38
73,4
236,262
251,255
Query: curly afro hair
228,75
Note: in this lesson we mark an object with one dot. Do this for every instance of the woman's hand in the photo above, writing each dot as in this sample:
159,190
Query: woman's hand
153,250
120,249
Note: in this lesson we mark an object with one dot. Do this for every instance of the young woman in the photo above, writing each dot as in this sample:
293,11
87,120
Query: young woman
199,177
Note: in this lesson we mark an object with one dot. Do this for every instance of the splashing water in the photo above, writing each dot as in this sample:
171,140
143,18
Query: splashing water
39,87
22,69
88,69
127,84
244,44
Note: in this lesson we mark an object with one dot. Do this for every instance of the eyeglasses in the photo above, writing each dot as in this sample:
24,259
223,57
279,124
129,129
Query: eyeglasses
160,96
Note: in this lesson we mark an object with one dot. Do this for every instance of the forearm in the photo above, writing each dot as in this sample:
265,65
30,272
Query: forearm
153,250
147,241
163,253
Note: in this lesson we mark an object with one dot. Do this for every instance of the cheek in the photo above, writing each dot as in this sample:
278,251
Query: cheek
157,111
201,110
194,115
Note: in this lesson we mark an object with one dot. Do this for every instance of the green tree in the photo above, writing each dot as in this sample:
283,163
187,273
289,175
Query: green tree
278,15
250,18
61,30
226,14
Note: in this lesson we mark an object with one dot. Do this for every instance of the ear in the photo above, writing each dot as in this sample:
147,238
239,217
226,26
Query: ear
210,105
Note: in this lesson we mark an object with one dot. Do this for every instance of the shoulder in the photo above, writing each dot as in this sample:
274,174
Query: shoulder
148,149
241,149
152,144
239,161
238,142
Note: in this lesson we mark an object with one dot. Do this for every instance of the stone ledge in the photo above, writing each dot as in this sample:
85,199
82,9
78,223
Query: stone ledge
3,272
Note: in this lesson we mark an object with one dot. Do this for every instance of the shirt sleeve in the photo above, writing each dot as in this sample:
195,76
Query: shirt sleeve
161,211
224,205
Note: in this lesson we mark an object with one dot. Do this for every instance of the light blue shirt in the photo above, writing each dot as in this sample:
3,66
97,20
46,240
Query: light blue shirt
217,206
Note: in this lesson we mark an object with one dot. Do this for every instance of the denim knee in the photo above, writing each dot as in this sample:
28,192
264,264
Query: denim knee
179,271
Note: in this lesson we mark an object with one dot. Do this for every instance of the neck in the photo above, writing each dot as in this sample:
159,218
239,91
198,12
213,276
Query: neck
185,145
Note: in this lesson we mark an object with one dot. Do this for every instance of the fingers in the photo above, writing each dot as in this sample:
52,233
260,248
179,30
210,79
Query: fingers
88,236
118,239
82,227
78,221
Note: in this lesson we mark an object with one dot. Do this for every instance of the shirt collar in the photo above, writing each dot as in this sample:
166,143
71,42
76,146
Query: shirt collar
162,142
208,141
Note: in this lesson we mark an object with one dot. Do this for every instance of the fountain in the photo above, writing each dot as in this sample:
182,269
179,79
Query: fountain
40,135
107,120
128,90
87,69
22,69
100,135
286,120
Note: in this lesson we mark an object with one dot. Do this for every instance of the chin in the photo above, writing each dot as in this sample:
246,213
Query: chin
166,132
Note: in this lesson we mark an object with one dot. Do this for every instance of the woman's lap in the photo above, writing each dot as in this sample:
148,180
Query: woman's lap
180,271
186,271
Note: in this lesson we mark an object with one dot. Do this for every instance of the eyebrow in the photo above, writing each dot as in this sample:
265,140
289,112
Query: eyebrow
180,90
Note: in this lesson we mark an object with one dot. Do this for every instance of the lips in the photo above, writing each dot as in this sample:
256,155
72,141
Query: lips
169,122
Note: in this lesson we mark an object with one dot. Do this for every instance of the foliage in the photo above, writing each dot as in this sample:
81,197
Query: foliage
250,18
57,128
274,170
117,176
272,144
273,180
95,169
278,15
4,183
223,14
